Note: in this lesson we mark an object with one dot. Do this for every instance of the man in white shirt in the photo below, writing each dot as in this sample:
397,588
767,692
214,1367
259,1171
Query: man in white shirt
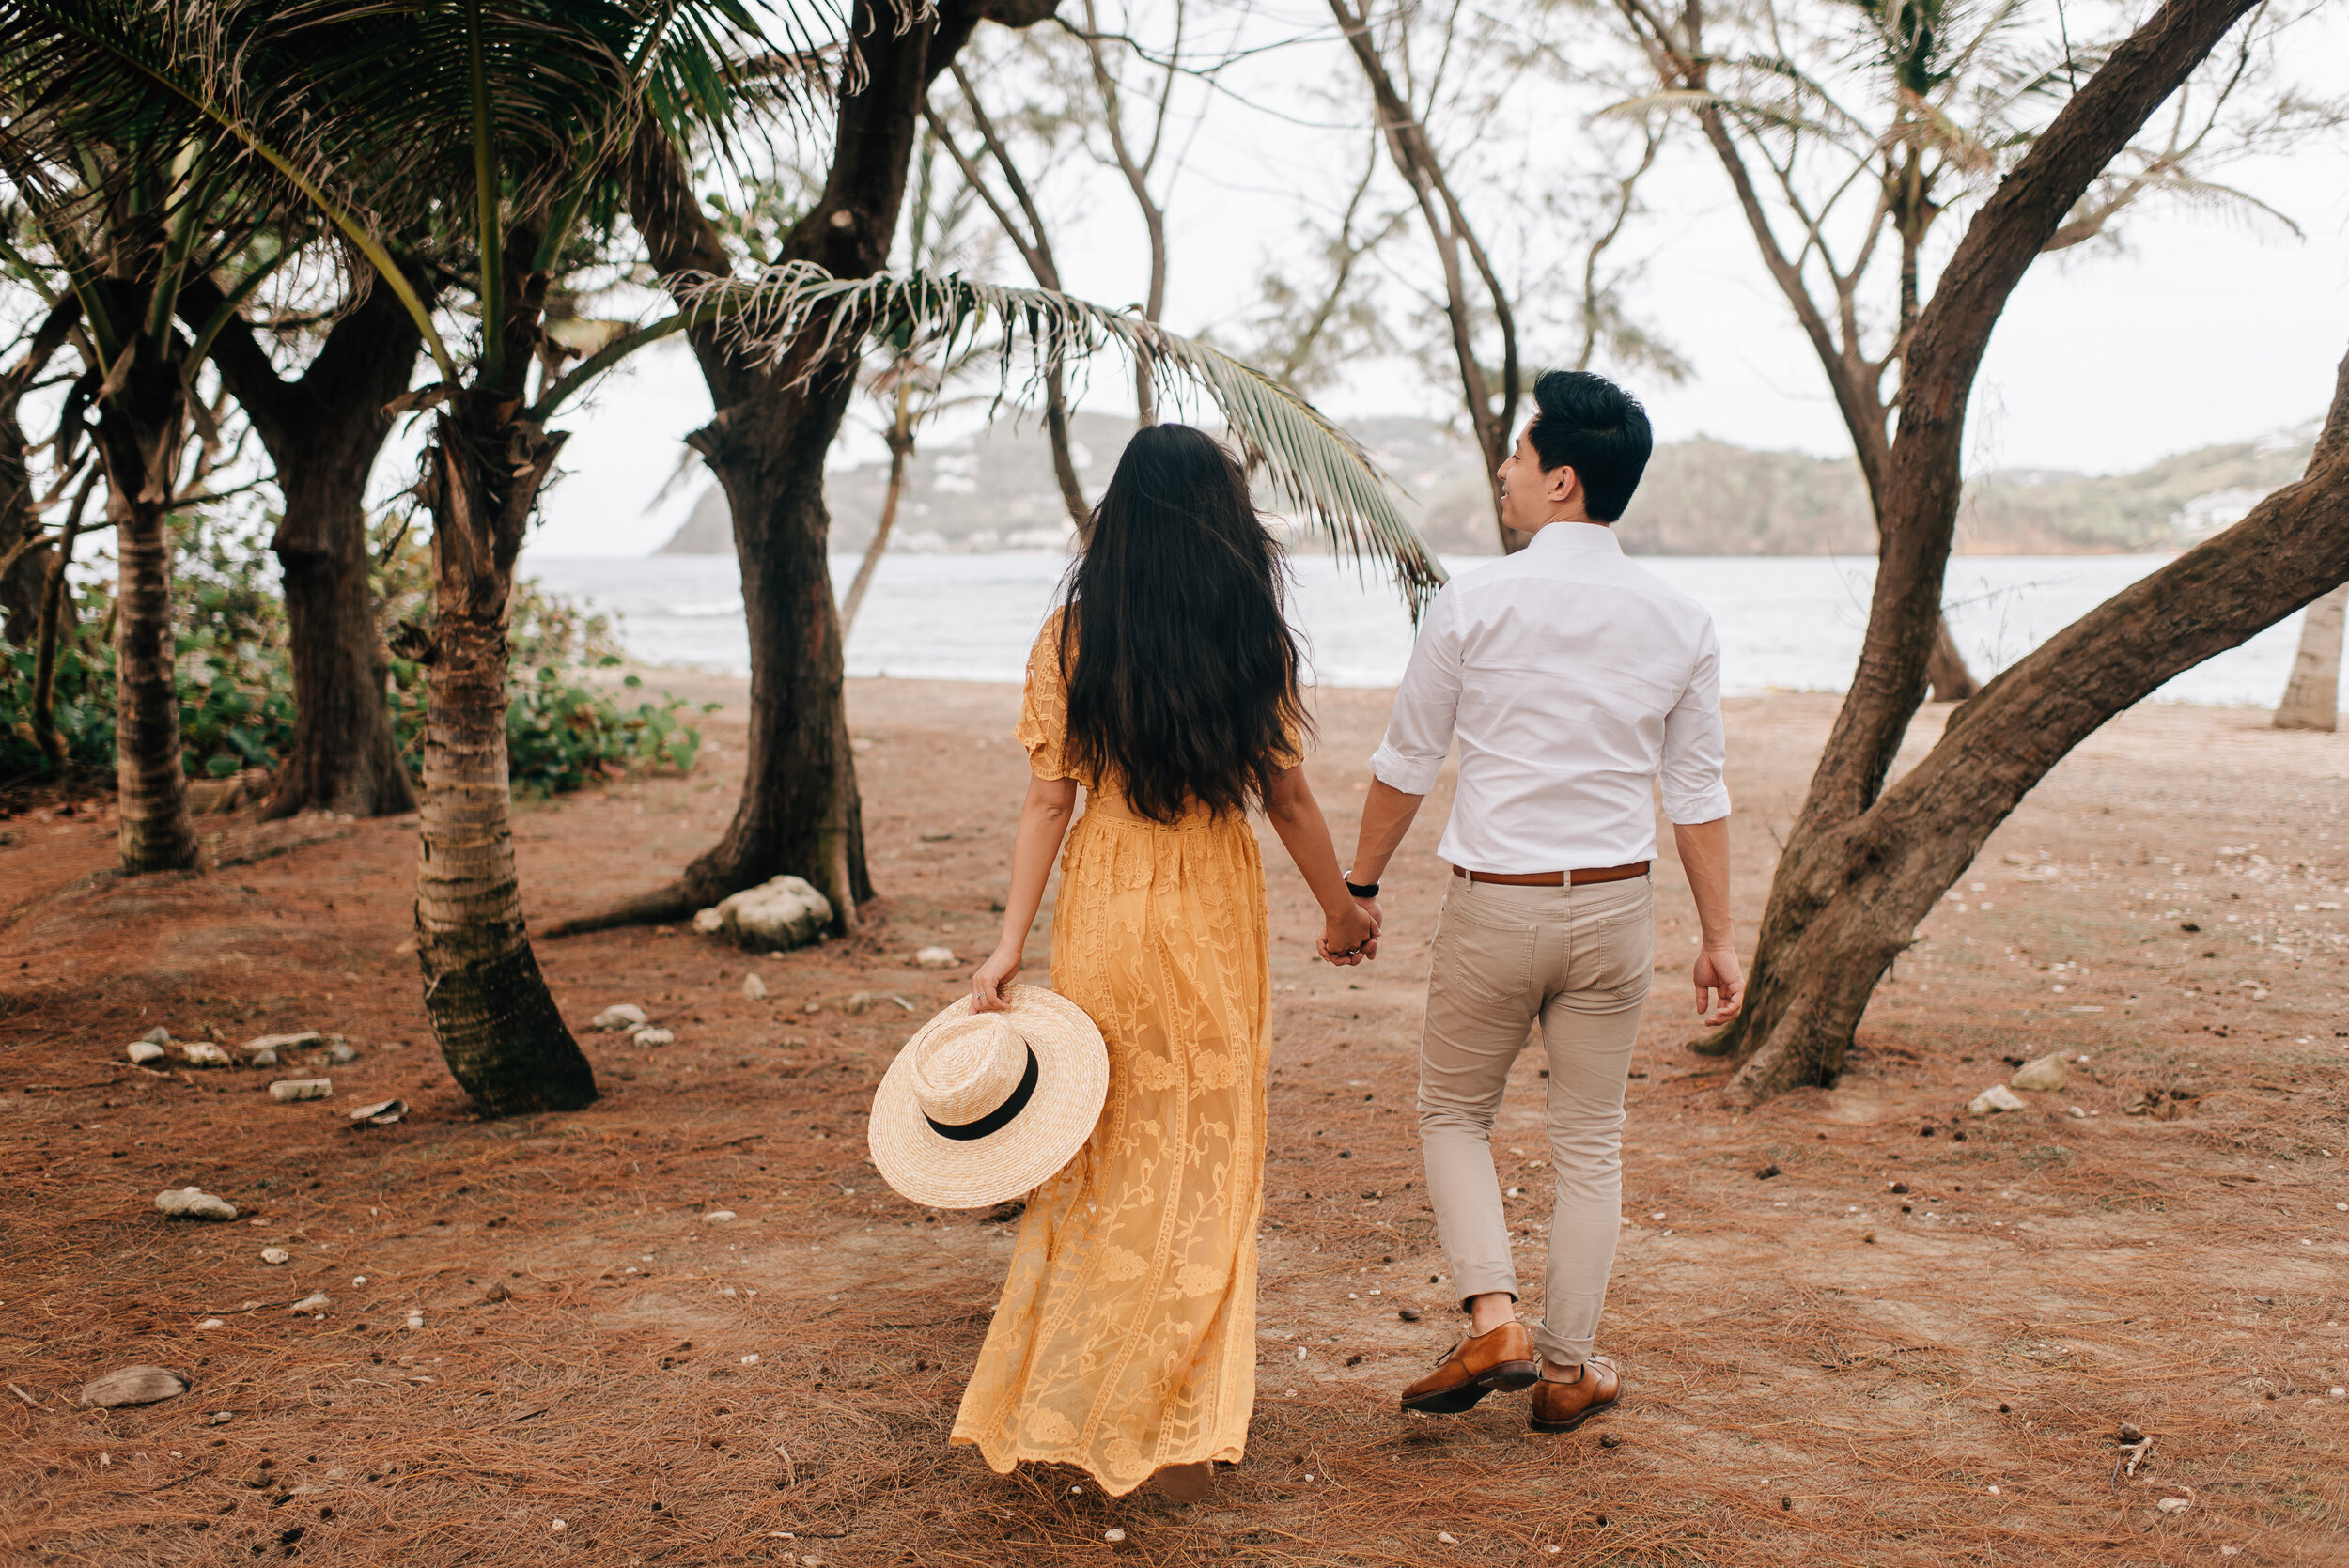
1573,680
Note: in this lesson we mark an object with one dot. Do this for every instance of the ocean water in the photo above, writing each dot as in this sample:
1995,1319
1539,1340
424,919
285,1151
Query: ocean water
1785,623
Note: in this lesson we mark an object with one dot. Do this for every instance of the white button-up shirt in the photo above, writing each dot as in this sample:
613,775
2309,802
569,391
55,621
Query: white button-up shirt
1573,678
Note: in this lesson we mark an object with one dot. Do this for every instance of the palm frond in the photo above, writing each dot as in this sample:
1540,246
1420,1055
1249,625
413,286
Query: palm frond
799,317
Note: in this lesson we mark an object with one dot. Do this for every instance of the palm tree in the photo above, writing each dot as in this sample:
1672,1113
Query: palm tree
503,122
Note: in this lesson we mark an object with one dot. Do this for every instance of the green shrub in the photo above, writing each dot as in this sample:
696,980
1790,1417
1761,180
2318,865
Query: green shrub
236,676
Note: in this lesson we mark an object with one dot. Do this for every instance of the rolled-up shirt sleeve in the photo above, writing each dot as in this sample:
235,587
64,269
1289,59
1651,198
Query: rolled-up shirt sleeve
1695,749
1419,733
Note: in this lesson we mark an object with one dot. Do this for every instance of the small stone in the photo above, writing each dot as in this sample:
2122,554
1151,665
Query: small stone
623,1014
210,1323
131,1386
143,1051
717,1217
261,1058
2174,1505
194,1202
340,1055
708,921
221,1417
779,914
199,1053
1112,1536
1899,1186
382,1113
651,1037
1766,1172
752,1360
2046,1075
936,958
1446,1537
158,1035
2076,1110
287,1090
276,1255
1993,1099
1610,1440
1408,1315
316,1301
281,1043
415,1320
753,986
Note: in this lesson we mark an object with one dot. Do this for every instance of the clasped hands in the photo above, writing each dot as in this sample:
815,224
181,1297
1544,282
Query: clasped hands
1351,934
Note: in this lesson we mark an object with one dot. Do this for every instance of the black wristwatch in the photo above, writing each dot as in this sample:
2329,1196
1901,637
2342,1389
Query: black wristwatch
1361,889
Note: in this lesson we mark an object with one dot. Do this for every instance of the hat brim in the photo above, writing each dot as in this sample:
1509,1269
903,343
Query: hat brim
1072,1085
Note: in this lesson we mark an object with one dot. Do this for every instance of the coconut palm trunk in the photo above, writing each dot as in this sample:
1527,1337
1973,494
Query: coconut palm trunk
497,1025
2312,698
900,439
141,427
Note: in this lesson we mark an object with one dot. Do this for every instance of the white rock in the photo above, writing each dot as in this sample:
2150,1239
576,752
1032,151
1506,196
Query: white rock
708,921
199,1054
651,1037
779,914
194,1202
1996,1098
287,1090
2076,1110
2046,1075
717,1217
340,1055
1112,1536
131,1386
623,1014
276,1255
316,1301
143,1051
415,1320
936,958
753,986
300,1040
2174,1505
261,1058
158,1035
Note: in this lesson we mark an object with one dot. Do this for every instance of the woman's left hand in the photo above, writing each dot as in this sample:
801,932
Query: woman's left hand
1349,936
986,985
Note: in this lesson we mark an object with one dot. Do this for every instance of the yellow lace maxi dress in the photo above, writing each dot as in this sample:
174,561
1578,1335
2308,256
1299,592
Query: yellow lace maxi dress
1126,1338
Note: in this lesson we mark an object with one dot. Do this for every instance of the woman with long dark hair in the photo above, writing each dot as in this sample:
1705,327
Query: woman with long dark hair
1166,686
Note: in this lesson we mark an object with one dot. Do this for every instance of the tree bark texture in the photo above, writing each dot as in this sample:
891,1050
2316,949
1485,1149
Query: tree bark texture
323,431
1832,924
2312,697
496,1024
1848,902
799,810
141,427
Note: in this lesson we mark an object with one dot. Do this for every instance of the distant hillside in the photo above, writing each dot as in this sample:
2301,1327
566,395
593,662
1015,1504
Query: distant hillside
1702,497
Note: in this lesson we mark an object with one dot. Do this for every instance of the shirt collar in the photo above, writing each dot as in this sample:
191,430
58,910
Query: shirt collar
1575,536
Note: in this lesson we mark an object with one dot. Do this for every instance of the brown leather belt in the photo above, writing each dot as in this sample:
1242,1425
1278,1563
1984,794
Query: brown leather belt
1554,879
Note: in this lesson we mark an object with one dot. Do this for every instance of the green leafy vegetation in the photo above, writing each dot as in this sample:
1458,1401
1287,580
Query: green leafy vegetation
563,727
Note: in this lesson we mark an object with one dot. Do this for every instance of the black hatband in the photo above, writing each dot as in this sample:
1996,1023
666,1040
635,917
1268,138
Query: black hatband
997,1119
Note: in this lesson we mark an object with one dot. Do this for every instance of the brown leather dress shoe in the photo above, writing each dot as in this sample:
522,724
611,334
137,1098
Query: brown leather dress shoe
1563,1406
1502,1358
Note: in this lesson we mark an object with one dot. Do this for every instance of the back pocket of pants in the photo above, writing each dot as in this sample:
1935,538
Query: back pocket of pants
1482,956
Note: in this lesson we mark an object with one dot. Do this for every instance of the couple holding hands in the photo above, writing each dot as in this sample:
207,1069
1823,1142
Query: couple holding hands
1127,1103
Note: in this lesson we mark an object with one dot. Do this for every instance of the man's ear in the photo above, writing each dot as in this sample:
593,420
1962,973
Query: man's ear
1564,484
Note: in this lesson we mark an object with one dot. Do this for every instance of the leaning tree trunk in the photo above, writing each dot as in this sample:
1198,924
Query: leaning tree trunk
799,810
497,1025
26,570
1850,901
900,449
141,425
2313,699
324,432
1833,920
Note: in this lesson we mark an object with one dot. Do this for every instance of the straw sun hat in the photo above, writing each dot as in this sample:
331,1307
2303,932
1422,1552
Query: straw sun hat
982,1106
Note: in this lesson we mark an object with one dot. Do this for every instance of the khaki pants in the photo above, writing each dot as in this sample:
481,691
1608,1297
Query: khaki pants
1577,959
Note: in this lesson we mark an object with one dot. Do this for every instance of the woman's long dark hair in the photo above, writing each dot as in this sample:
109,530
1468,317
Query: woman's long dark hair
1182,671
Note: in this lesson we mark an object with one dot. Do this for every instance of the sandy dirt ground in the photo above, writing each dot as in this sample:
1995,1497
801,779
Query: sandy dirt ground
1914,1344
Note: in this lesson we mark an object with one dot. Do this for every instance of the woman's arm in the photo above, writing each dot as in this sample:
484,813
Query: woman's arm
1348,935
1043,823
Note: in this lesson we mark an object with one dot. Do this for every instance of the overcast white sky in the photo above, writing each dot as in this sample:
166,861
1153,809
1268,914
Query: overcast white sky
2201,329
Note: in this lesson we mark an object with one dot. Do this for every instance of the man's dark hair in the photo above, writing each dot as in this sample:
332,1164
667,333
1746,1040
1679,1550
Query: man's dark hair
1589,424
